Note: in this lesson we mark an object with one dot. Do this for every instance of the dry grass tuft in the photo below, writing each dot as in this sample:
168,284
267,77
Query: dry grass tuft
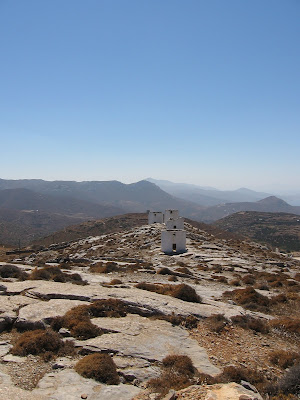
284,359
55,274
100,367
216,322
181,291
46,343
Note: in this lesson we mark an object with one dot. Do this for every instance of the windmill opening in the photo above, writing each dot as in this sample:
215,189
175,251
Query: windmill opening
174,246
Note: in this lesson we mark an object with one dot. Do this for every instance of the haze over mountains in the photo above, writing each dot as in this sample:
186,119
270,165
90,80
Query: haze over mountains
31,209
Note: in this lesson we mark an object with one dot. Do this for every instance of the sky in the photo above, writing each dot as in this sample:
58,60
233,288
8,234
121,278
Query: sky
195,91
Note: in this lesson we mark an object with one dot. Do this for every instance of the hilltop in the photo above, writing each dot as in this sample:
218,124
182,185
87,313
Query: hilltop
229,305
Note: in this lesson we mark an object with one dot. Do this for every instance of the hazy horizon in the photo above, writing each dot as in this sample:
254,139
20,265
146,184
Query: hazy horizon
199,92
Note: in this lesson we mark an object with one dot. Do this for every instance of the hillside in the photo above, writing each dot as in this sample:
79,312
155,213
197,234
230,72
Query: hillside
269,204
28,226
213,322
280,230
95,228
26,199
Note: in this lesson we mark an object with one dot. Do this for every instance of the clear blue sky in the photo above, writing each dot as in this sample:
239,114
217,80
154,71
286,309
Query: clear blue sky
204,92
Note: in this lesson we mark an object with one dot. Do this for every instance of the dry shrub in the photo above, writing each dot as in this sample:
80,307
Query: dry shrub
181,291
184,270
216,322
177,373
285,324
100,367
247,322
114,282
249,298
248,279
282,396
290,382
109,308
104,268
12,271
179,363
189,322
165,271
238,374
284,359
235,282
280,298
172,278
205,379
220,278
85,330
41,342
55,274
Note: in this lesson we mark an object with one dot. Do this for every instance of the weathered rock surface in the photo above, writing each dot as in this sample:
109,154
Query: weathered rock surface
231,391
68,385
142,338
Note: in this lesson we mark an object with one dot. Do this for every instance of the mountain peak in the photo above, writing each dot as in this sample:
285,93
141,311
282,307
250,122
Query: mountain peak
273,200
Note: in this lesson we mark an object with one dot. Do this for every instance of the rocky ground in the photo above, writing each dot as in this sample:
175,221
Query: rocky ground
110,267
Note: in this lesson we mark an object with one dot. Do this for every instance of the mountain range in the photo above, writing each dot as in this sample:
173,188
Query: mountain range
31,209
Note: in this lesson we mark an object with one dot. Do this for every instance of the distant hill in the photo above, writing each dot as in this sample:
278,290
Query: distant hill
27,226
280,230
269,204
207,196
25,199
95,228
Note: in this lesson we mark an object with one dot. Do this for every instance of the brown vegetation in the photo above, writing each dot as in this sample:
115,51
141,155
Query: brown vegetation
181,291
100,367
55,274
42,342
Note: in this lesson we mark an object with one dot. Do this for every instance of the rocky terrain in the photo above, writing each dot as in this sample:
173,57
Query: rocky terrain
221,321
279,230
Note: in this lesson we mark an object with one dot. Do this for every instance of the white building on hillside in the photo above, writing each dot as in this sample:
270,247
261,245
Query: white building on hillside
171,214
173,241
175,223
155,217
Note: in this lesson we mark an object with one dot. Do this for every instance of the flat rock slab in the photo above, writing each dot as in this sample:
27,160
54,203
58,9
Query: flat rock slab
68,385
153,302
144,338
47,309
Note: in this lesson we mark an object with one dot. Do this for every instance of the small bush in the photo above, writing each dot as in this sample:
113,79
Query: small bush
179,363
178,371
184,270
100,367
12,271
247,322
248,279
290,382
216,322
181,291
85,330
235,282
114,282
285,324
55,274
39,342
172,278
165,271
284,359
186,293
237,374
250,299
104,268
